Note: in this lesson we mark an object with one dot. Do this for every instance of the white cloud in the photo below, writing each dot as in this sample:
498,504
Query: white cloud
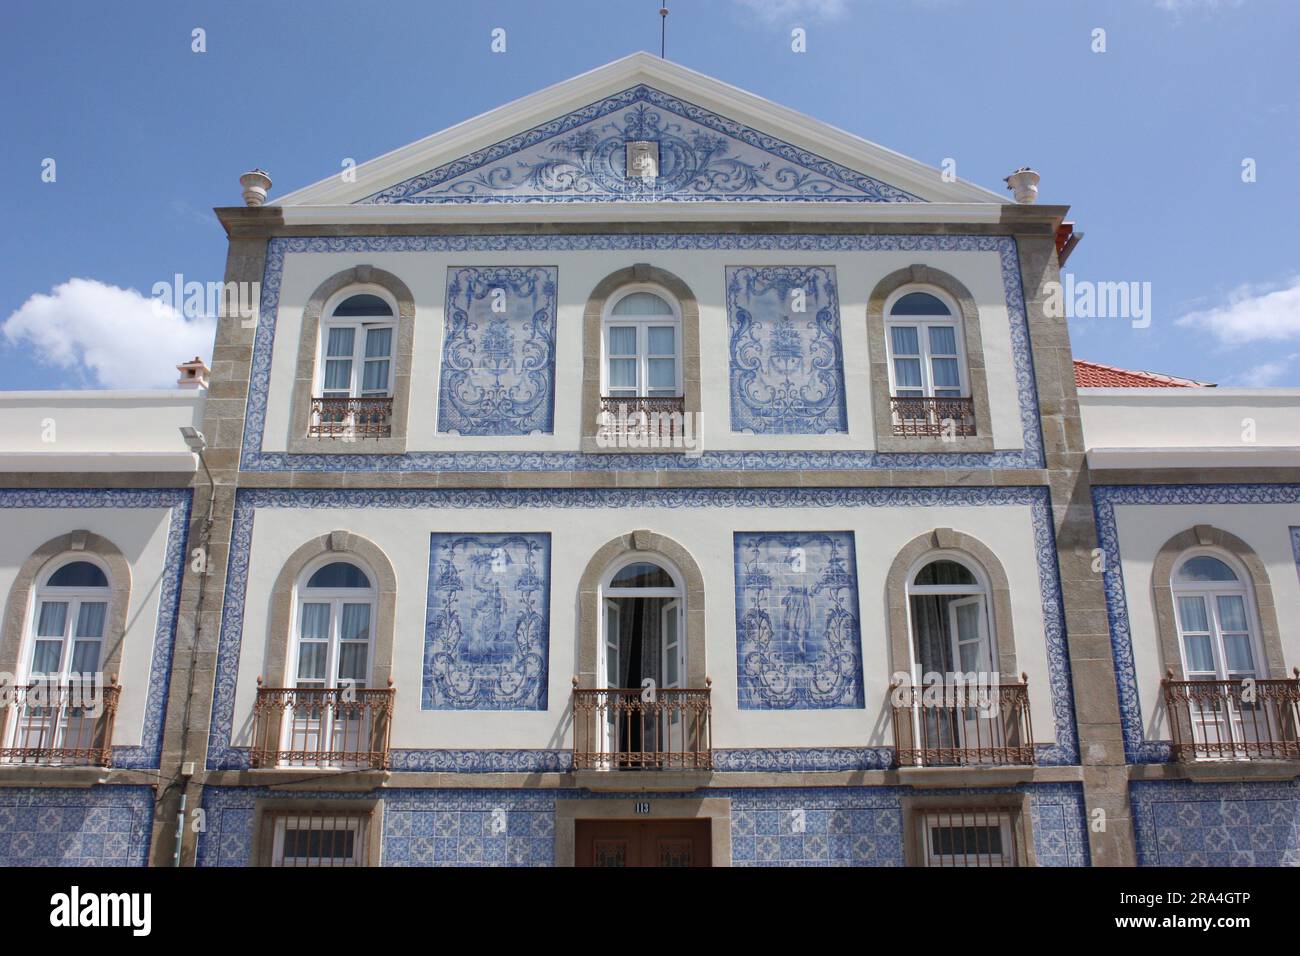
1252,314
111,336
785,11
1196,4
1268,373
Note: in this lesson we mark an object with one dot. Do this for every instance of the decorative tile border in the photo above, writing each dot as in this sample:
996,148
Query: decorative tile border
254,459
67,826
222,756
1184,823
1105,498
145,755
584,165
1295,547
839,826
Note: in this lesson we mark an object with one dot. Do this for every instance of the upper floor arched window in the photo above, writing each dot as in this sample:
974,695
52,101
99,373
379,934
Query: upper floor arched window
925,345
68,621
336,626
1218,628
641,345
948,601
357,347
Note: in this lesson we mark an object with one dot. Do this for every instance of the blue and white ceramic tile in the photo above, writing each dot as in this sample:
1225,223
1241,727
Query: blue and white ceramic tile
787,363
486,636
798,642
253,458
1137,748
498,356
66,826
66,500
582,157
1183,823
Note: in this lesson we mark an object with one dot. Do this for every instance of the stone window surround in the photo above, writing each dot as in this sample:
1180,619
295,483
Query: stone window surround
68,547
717,810
1019,804
342,545
1206,536
878,357
900,625
592,347
649,544
309,349
263,844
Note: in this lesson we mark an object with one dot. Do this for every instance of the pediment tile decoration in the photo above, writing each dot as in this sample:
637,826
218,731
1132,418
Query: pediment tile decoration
686,154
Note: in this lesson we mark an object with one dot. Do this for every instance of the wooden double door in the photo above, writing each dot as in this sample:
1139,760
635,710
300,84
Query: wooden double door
643,843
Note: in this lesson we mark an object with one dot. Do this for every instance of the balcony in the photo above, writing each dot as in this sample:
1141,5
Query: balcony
933,417
351,418
962,725
328,728
643,422
1234,719
635,729
48,724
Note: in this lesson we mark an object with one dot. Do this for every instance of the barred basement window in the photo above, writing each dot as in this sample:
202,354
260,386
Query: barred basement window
317,838
968,837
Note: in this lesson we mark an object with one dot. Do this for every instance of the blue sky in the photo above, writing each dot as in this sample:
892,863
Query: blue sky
1145,141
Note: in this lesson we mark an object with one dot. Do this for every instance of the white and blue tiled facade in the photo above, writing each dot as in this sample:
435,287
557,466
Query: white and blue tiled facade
1185,823
65,826
837,826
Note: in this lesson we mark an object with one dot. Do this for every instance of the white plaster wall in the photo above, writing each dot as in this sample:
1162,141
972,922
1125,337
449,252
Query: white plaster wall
707,533
1143,531
141,535
1238,418
704,272
120,422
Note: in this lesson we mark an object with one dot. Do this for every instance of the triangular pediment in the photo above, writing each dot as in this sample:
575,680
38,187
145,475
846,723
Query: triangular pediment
639,130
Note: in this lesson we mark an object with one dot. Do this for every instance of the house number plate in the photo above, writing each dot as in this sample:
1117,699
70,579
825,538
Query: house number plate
642,806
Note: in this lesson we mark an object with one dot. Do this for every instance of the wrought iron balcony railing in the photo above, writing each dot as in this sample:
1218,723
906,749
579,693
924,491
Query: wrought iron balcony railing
962,725
933,417
1234,719
643,417
58,724
349,418
325,727
640,729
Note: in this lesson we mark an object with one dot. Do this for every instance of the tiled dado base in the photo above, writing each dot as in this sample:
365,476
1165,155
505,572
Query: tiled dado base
841,826
1182,823
65,826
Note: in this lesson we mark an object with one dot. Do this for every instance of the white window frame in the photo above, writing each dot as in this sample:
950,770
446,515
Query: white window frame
1210,591
361,324
923,324
642,323
74,597
355,823
1002,819
980,589
676,593
336,598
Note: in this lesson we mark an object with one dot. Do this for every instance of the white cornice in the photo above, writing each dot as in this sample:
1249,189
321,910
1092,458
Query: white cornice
736,104
1265,456
99,461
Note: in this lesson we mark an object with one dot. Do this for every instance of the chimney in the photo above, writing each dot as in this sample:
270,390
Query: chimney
1023,184
194,374
255,183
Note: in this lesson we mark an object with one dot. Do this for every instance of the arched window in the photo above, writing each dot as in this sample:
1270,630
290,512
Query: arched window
335,626
948,604
1217,626
643,624
68,621
641,344
354,381
925,345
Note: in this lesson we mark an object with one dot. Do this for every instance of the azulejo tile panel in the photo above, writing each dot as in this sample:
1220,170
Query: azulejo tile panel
253,458
696,155
223,756
787,361
1182,823
487,633
178,500
1105,498
498,356
798,642
1295,547
65,826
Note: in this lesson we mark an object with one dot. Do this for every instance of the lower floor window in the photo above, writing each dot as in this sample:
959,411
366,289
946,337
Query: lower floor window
983,837
318,838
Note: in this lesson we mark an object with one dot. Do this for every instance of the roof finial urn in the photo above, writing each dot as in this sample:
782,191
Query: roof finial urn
255,183
1023,184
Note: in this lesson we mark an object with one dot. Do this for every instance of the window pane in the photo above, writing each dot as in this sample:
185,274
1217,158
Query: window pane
340,341
946,374
355,625
90,619
642,574
340,574
663,373
1200,657
1232,613
352,662
311,661
1240,658
85,657
379,342
1191,612
315,622
45,657
622,373
338,374
1205,568
907,373
662,340
945,572
904,340
78,574
375,376
641,303
52,619
363,304
943,340
920,303
622,340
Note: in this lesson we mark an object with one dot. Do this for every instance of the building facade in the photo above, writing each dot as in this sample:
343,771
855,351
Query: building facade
645,473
